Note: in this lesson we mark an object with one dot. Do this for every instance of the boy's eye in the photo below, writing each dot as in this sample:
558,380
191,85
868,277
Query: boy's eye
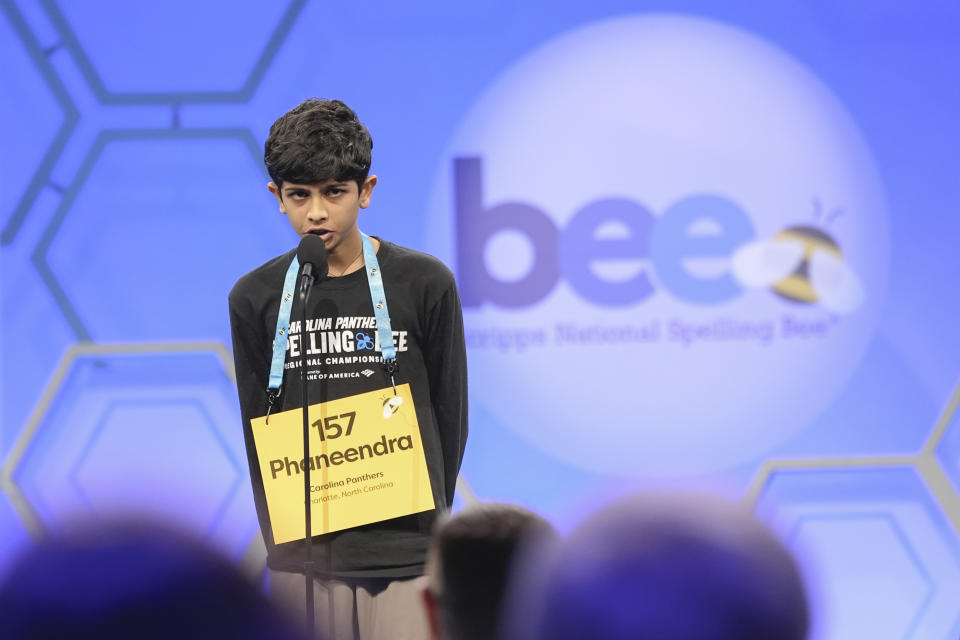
334,191
298,194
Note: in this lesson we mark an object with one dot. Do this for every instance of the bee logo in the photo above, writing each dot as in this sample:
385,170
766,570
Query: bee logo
803,264
391,405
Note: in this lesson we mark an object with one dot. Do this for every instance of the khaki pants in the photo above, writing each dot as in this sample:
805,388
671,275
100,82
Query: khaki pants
363,609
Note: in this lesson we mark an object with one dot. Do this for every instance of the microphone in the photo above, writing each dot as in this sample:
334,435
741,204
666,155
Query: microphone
312,255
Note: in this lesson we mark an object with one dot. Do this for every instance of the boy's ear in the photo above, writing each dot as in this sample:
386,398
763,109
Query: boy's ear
275,190
430,607
367,189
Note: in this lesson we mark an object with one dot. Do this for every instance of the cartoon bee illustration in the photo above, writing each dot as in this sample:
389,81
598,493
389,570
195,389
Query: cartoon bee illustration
391,405
803,264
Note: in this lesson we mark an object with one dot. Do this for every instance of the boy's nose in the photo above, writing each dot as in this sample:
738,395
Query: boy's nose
317,211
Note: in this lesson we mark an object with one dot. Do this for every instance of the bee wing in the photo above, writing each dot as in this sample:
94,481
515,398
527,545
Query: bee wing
838,288
759,264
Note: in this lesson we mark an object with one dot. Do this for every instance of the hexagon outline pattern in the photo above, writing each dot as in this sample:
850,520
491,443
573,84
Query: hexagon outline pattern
925,463
21,504
243,94
901,538
207,421
103,139
70,118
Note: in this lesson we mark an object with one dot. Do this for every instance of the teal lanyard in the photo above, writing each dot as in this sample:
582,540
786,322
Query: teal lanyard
377,297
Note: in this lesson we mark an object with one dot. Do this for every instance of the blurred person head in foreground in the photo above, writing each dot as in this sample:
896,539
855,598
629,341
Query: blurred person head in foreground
131,580
468,567
661,567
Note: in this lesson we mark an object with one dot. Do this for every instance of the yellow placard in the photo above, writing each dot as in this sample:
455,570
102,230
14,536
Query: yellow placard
366,463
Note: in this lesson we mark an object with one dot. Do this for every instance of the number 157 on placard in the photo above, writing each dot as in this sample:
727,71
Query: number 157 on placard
332,427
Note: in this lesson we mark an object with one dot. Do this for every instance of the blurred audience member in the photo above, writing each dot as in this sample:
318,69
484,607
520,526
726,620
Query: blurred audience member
468,566
132,580
662,567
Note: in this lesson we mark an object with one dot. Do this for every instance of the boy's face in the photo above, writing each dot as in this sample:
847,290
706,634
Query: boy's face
327,209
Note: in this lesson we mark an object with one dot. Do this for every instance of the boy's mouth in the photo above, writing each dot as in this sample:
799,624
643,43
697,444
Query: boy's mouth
323,233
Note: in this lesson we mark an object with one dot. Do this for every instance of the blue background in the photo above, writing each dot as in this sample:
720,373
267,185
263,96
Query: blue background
133,196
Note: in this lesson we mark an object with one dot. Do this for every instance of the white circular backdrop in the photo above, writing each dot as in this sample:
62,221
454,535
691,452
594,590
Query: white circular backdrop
656,109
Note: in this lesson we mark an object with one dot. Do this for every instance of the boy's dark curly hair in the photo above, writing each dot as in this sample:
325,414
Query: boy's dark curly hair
316,141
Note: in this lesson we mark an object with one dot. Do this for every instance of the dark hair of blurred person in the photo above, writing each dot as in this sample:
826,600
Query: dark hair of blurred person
667,567
468,567
131,580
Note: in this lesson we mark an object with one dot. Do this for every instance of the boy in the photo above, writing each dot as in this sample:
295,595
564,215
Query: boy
318,157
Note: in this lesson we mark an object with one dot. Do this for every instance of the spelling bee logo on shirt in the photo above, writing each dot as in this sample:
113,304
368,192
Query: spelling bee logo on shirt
669,239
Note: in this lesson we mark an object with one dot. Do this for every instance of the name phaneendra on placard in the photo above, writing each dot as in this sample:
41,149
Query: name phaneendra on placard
382,447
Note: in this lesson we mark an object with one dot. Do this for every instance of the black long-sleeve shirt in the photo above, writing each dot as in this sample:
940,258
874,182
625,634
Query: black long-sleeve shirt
424,306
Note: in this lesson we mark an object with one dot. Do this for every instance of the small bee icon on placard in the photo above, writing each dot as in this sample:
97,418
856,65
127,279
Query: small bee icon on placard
391,405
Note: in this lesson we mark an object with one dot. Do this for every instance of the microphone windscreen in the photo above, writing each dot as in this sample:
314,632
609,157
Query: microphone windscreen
312,251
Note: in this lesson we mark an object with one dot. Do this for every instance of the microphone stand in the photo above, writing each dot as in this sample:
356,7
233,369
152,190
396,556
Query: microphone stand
305,285
311,254
308,567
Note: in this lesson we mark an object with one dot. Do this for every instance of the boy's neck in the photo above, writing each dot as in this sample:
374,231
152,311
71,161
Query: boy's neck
348,257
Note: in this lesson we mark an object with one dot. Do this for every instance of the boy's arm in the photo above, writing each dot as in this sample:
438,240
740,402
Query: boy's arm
252,370
445,357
